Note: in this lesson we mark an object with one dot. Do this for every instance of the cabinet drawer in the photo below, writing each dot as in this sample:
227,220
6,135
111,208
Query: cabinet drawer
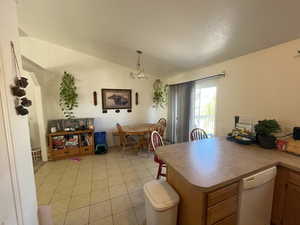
231,220
222,194
73,151
60,153
294,178
222,210
86,150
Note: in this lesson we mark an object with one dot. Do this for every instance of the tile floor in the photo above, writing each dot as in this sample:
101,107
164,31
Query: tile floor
98,190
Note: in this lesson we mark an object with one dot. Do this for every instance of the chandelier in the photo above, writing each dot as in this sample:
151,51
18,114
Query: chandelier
139,73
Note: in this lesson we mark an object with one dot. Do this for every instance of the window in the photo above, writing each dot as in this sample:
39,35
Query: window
205,106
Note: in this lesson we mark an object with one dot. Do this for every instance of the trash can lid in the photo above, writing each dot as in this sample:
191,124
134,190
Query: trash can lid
161,195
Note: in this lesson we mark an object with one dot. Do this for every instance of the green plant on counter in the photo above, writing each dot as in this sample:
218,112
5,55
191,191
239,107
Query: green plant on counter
160,94
68,97
267,127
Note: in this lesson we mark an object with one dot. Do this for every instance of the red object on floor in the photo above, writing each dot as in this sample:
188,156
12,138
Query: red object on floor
156,141
76,159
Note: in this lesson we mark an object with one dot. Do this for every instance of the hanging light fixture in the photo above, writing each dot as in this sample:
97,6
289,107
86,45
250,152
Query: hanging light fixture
139,73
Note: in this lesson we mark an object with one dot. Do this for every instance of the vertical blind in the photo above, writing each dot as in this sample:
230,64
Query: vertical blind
191,104
179,111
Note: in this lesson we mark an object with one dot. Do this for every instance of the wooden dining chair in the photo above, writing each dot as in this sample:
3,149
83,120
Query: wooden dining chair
161,130
163,122
198,134
126,141
157,141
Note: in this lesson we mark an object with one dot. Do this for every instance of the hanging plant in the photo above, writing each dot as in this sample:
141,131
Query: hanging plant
160,94
68,97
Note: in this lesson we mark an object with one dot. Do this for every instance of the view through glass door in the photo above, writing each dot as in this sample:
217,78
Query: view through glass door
205,106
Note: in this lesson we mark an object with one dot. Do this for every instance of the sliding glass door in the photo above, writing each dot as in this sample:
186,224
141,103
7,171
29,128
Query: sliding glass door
204,109
191,105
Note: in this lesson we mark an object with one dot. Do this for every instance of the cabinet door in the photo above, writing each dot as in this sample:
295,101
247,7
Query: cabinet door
279,195
291,215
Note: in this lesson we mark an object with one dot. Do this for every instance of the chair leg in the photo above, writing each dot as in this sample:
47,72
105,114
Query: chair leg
159,171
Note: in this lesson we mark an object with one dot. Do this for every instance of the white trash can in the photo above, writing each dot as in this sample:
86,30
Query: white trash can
161,203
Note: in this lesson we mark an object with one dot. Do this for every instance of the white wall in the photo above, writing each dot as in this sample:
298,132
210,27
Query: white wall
91,75
264,84
32,116
7,204
41,78
16,171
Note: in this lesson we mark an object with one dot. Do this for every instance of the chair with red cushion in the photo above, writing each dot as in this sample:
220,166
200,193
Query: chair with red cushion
156,141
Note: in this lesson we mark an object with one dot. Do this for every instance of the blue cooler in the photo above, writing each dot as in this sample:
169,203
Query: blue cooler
100,142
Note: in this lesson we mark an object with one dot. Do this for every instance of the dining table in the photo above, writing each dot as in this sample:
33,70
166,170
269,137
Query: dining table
141,129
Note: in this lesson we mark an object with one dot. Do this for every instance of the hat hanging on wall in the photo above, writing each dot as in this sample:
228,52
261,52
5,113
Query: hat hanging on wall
26,102
18,88
17,91
22,82
21,110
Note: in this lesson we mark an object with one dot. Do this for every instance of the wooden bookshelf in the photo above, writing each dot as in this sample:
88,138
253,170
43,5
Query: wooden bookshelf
66,144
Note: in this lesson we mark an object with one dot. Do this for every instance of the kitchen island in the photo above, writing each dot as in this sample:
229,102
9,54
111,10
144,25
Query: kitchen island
206,174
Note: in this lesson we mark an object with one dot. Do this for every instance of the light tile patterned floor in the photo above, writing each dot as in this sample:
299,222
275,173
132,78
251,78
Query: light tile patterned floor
98,190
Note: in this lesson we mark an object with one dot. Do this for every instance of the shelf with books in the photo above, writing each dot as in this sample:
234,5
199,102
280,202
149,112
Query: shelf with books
71,143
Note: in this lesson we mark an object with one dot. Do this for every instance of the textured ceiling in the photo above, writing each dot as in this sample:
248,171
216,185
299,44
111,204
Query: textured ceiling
175,35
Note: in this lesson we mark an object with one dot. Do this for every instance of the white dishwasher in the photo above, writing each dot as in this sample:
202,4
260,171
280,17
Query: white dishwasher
256,197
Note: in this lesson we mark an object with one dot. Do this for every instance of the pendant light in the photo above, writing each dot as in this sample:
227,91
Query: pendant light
139,73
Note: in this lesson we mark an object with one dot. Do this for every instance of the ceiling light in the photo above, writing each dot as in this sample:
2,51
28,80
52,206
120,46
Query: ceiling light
139,73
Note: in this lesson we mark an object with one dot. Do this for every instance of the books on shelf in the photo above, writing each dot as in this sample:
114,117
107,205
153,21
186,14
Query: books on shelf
67,144
61,142
72,141
58,142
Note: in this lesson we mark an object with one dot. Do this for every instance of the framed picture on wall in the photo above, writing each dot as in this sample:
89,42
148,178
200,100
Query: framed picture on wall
116,99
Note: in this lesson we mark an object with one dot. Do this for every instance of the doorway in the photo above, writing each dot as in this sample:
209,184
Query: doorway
36,122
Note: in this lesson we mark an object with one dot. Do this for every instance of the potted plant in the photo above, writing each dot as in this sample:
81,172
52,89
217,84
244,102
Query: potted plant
264,133
68,97
159,94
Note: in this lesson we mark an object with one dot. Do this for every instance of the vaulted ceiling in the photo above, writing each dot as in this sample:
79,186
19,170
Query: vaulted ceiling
175,35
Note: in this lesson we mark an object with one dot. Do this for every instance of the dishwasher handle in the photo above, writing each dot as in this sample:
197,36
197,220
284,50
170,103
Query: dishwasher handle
259,179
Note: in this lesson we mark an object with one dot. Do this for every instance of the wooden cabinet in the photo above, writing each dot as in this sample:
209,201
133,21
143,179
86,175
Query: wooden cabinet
291,213
294,178
86,150
68,144
231,220
286,202
222,194
216,207
222,210
222,205
279,195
